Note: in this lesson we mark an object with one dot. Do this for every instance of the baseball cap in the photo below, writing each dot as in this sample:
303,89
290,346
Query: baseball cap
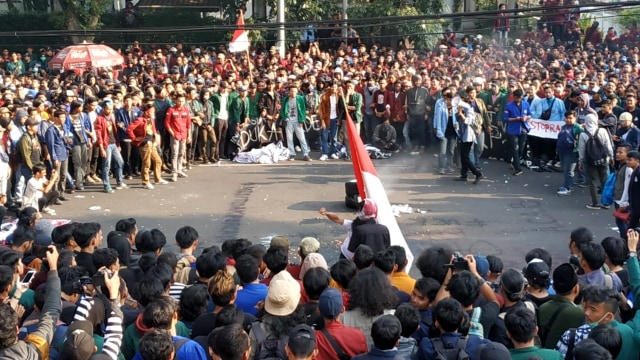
79,344
493,351
482,265
330,303
283,295
536,269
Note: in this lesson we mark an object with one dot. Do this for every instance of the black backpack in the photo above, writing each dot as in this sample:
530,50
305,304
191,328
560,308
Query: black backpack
595,151
269,349
449,351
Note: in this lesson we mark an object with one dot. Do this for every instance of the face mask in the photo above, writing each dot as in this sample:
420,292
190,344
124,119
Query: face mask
594,324
206,97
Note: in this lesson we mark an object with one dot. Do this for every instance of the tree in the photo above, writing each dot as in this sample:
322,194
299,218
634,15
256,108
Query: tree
422,34
83,15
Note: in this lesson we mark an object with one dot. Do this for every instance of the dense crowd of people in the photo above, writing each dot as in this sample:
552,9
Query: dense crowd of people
66,296
170,108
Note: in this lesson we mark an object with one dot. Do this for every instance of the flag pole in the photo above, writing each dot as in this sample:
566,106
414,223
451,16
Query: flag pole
248,53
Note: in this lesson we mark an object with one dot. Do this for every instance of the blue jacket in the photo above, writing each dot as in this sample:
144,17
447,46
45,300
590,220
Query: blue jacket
541,105
427,352
122,116
189,350
86,124
440,118
55,143
377,354
512,111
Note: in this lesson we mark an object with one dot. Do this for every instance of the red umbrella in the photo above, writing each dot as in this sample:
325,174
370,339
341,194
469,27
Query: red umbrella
84,56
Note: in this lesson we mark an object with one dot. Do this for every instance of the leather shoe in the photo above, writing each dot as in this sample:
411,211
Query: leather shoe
478,178
62,198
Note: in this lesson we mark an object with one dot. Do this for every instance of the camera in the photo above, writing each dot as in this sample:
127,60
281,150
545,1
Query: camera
459,263
98,279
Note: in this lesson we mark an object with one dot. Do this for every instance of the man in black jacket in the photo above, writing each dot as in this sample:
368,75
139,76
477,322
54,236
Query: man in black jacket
366,230
633,161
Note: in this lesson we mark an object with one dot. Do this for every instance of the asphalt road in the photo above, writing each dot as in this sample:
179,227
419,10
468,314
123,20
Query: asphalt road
503,215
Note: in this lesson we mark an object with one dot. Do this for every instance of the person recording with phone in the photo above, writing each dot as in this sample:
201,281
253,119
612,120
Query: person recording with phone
40,192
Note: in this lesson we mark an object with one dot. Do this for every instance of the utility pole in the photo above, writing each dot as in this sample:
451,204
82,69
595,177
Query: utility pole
345,6
281,33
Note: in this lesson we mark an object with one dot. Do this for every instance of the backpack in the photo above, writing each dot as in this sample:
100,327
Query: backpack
449,351
606,198
268,349
475,327
477,123
566,140
596,154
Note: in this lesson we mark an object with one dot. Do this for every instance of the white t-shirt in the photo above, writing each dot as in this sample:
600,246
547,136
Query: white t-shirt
32,193
346,225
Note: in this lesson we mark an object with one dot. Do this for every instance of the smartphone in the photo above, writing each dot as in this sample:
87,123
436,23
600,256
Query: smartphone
28,276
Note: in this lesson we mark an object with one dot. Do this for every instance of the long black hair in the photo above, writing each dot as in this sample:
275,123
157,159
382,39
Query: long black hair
371,292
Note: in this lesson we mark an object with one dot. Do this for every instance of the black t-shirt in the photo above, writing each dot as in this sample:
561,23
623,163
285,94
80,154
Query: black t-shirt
205,324
539,301
86,261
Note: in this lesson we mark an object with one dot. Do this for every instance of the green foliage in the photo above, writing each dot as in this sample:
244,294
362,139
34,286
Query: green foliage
158,18
421,34
485,5
585,21
14,21
84,14
628,16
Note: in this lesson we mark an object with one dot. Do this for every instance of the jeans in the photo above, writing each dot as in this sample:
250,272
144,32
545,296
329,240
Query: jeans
222,126
296,127
79,158
477,149
569,161
61,169
130,157
370,122
465,161
112,153
208,140
178,149
516,147
447,147
23,174
345,135
406,130
417,129
333,136
622,226
596,173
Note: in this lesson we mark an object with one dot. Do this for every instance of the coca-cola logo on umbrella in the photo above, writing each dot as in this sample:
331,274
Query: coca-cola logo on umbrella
78,54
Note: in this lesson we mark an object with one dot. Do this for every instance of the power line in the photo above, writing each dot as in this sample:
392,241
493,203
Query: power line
355,22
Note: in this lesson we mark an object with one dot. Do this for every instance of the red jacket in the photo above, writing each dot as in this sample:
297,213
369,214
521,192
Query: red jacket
179,121
397,106
138,129
102,131
351,340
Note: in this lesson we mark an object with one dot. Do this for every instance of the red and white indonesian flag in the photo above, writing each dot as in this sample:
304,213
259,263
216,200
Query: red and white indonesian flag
370,186
240,41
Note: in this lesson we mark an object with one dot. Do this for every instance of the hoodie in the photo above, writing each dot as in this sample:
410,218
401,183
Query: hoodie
591,128
36,345
582,112
136,331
